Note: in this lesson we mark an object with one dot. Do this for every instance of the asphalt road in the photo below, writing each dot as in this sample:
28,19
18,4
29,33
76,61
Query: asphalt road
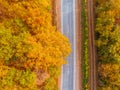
68,29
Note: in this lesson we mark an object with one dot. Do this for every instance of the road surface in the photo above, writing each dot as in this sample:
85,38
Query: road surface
92,50
69,30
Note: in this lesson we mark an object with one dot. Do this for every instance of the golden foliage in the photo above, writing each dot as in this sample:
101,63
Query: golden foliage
109,75
108,43
29,41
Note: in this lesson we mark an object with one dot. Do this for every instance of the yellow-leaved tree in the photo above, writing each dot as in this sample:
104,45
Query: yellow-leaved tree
30,43
108,43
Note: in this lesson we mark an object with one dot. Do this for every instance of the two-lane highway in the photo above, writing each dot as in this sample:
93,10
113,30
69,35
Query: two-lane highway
69,30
